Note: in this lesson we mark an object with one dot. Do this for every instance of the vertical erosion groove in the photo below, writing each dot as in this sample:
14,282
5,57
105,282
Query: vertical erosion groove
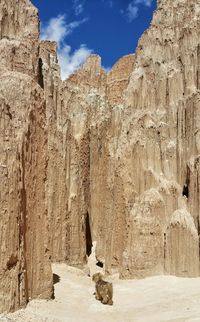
40,73
88,236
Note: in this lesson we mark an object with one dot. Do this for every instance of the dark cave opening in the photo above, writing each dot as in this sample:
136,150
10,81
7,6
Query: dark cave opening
99,264
88,235
40,74
185,191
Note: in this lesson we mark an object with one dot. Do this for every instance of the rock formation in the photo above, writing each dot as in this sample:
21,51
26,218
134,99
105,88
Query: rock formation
144,151
111,158
154,164
25,268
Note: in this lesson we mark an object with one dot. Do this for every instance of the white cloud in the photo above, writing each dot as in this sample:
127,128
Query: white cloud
147,3
69,61
57,29
78,7
132,12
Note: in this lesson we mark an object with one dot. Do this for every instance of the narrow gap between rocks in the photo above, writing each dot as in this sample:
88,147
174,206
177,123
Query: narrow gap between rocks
88,236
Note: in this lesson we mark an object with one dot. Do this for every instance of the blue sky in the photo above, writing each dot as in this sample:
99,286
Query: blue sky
110,28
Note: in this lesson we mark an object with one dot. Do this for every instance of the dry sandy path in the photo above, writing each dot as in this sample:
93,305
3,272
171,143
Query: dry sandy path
155,299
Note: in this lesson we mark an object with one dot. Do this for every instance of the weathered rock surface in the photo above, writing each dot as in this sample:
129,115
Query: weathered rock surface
140,152
123,152
157,147
25,268
108,158
72,106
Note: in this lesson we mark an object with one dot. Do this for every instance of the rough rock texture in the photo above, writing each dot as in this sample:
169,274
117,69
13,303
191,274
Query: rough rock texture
181,232
25,269
107,158
71,107
151,154
19,34
158,144
123,152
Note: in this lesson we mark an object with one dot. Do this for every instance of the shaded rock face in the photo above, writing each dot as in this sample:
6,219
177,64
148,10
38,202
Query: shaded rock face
25,268
108,158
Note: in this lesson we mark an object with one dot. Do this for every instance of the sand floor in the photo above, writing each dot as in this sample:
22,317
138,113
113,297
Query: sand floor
155,299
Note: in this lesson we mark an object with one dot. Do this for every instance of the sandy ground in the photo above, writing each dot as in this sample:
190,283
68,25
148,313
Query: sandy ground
155,299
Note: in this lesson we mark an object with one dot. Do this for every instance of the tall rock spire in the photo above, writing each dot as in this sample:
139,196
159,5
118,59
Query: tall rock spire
25,268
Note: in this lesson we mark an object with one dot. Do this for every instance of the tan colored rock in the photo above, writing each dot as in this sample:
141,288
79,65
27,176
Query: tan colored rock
18,20
107,158
69,154
124,149
24,262
151,142
182,245
19,34
25,268
118,79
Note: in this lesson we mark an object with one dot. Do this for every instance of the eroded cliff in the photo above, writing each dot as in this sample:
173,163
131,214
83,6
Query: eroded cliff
111,158
25,267
142,151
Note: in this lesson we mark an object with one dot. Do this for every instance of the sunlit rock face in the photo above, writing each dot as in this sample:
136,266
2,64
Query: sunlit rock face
144,155
111,158
152,154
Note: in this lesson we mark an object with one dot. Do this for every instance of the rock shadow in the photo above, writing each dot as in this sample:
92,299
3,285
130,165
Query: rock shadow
56,279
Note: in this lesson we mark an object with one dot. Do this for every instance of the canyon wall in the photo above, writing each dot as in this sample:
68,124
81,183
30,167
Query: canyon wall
129,154
151,154
25,267
111,158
